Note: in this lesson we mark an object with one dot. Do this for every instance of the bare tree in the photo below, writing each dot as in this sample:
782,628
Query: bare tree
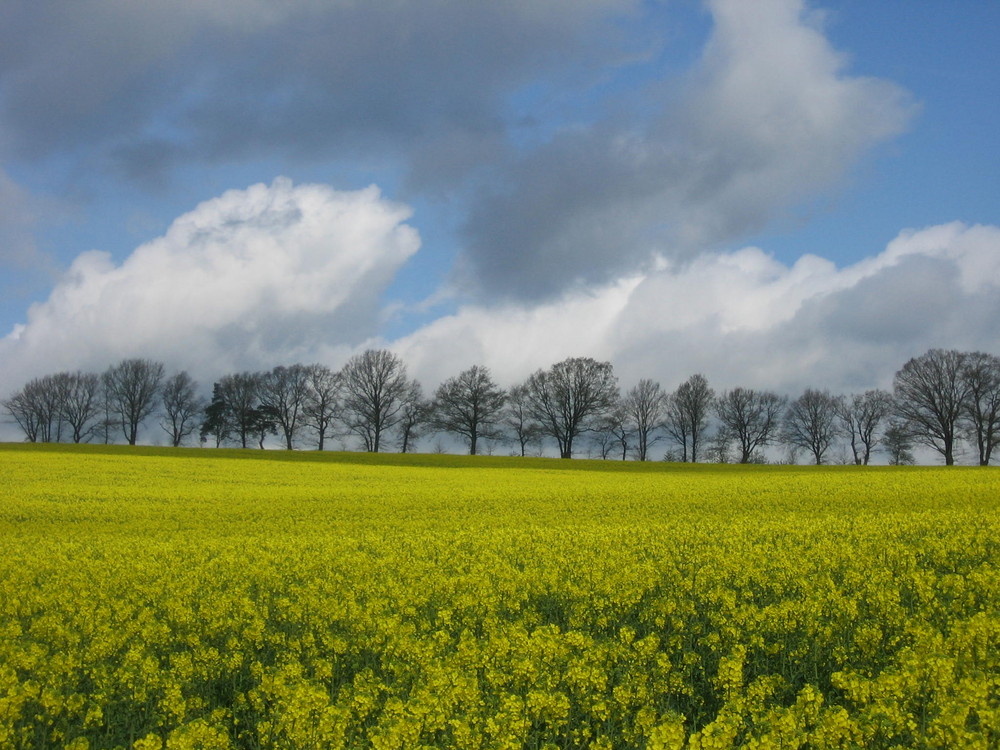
645,406
687,413
80,403
44,407
28,412
932,396
323,403
284,395
54,395
106,426
49,394
413,418
861,416
131,388
719,448
181,407
603,441
517,418
375,392
811,422
567,398
981,373
470,405
615,430
750,417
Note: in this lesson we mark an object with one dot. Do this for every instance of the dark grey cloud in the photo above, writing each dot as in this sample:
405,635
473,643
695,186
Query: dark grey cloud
583,209
898,306
857,337
80,74
767,118
157,83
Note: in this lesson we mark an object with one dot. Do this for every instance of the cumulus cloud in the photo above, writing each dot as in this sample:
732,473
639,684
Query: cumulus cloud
767,117
744,318
250,279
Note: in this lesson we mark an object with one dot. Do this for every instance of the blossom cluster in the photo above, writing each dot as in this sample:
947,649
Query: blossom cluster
213,599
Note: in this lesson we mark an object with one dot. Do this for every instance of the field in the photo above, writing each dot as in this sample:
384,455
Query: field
221,599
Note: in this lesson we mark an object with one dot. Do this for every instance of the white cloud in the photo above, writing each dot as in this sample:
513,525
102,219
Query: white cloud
250,279
743,318
517,339
775,116
969,247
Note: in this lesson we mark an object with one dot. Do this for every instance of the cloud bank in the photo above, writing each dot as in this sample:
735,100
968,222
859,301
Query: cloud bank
253,278
743,318
283,273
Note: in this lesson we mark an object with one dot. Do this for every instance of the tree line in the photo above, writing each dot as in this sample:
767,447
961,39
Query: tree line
940,400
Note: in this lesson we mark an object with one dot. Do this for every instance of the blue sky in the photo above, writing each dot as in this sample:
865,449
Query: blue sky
774,193
944,167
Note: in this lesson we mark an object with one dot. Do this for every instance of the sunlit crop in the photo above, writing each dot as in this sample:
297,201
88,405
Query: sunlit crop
214,599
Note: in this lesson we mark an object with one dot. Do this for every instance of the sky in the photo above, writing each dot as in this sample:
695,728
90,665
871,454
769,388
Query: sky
778,194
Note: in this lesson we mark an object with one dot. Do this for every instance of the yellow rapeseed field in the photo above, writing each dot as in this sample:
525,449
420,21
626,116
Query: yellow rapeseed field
218,599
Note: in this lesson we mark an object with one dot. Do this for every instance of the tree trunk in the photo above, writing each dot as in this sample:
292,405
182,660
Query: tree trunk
566,447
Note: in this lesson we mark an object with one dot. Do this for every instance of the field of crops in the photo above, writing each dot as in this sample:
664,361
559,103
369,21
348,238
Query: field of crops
215,599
